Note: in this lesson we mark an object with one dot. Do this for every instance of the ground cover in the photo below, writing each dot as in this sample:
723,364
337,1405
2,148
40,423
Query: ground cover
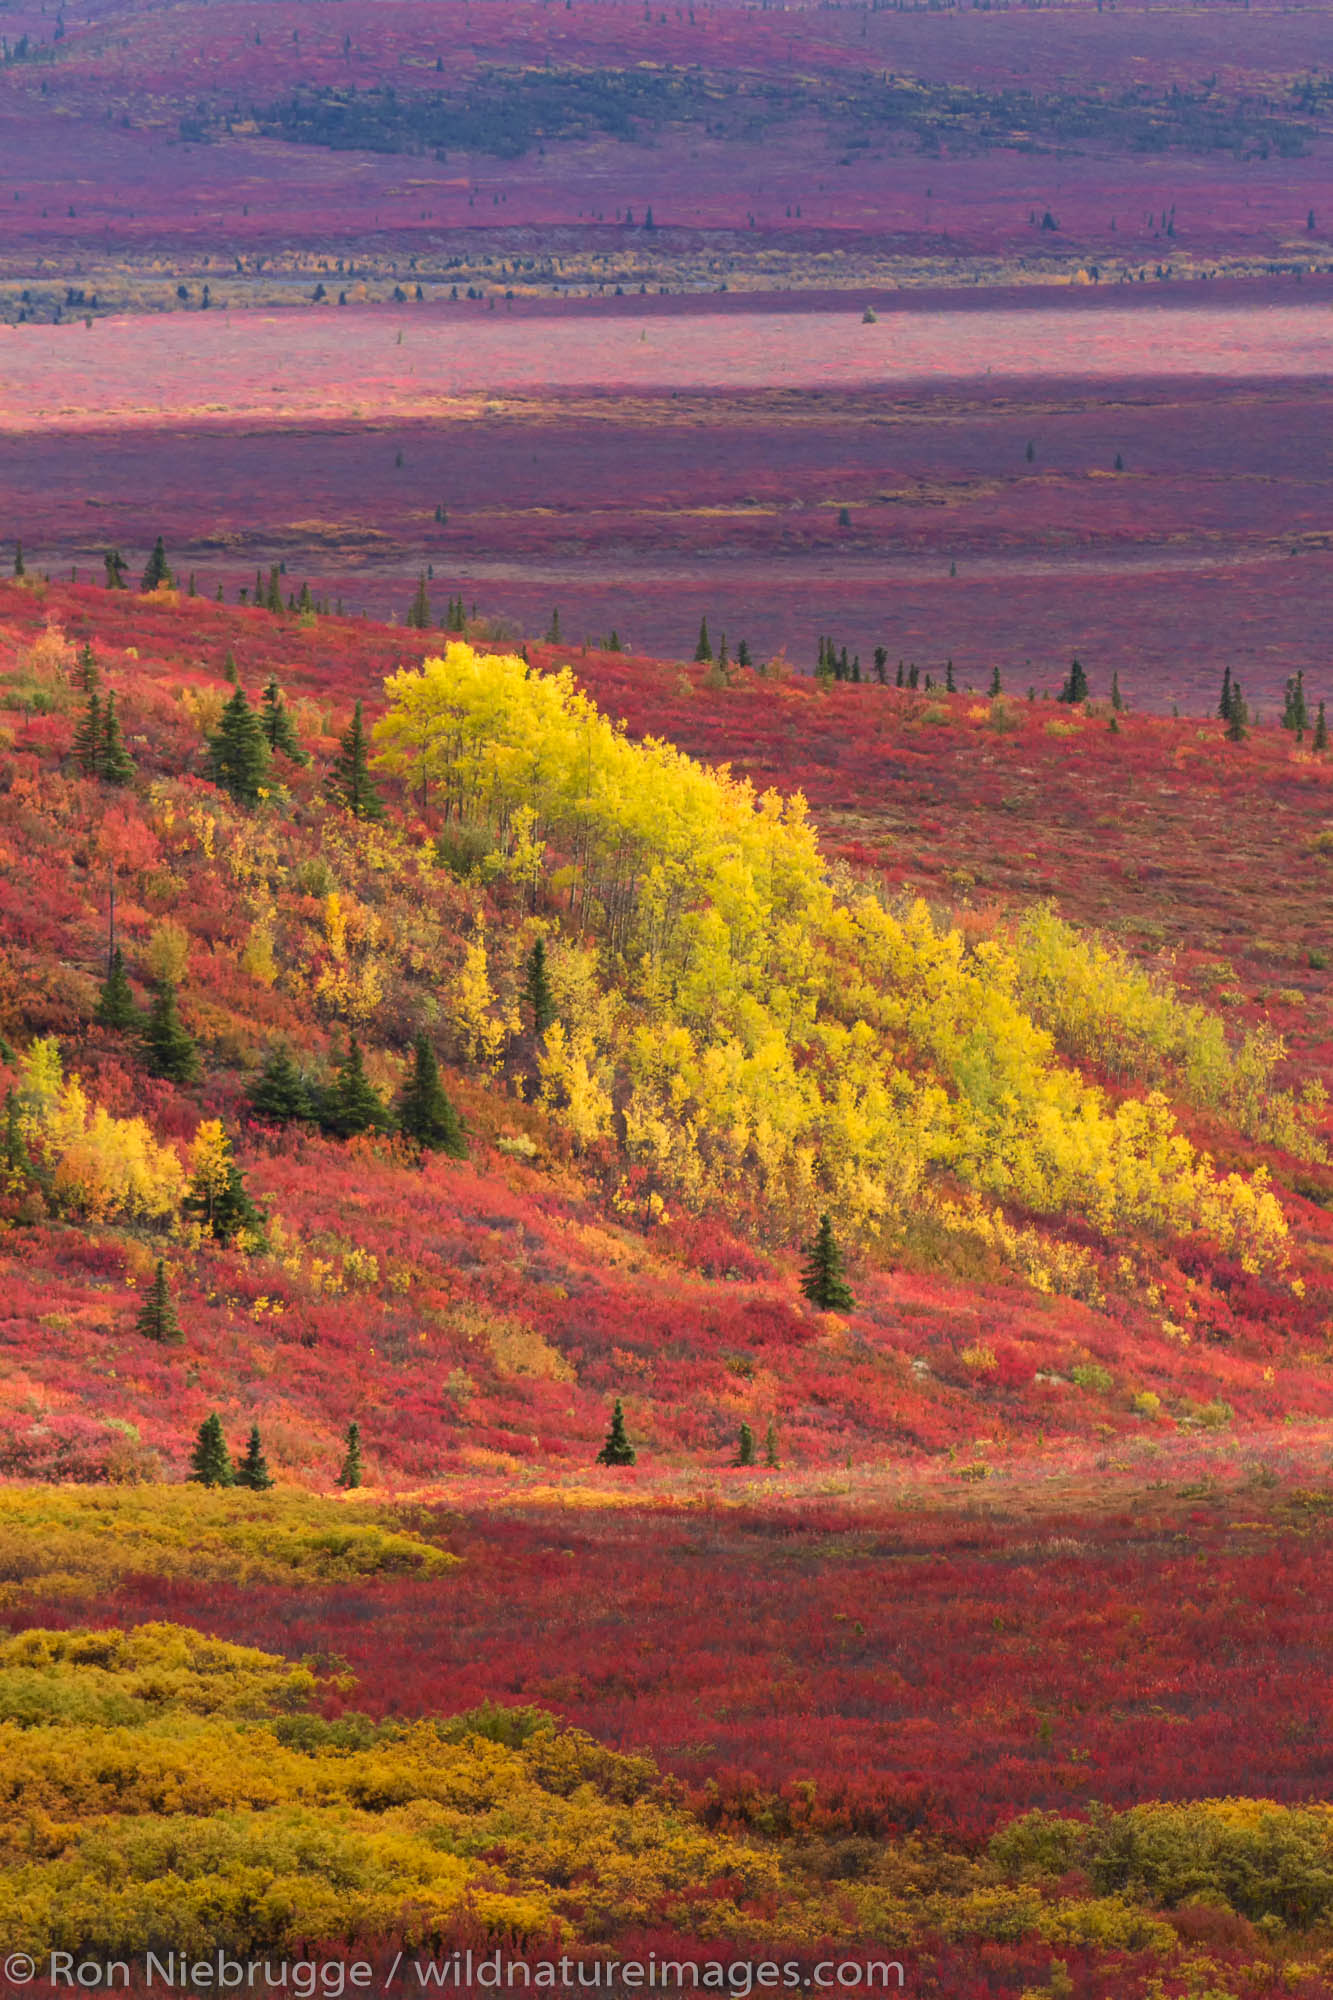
1160,527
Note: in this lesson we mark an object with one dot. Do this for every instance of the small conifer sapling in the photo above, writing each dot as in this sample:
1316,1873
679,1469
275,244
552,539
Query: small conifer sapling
280,1093
210,1461
424,1111
353,1468
617,1450
157,1318
88,736
351,781
537,989
156,574
169,1049
115,766
352,1104
822,1281
252,1469
238,753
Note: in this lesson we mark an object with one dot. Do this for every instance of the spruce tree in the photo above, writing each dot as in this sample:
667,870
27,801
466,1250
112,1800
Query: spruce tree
418,612
210,1460
552,630
617,1450
1319,741
703,651
115,570
1075,689
351,773
537,989
252,1471
272,597
771,1446
238,752
1224,700
20,567
280,1093
229,670
353,1468
822,1280
169,1050
157,1318
235,1211
157,572
85,670
88,737
352,1104
275,719
996,684
745,1446
1239,719
1117,702
115,1004
950,687
115,766
424,1111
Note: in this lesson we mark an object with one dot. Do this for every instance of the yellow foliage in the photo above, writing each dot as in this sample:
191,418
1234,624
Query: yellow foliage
1100,1005
350,986
204,707
257,956
764,1038
335,924
482,1030
518,1349
210,1158
68,1539
163,1792
168,952
101,1167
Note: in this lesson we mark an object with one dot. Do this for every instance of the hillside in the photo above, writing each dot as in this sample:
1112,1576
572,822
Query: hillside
1003,1660
1048,1162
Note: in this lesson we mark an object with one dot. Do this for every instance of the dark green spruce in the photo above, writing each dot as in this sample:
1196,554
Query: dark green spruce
424,1111
238,754
210,1461
252,1469
280,1094
350,781
157,1318
822,1280
353,1468
617,1450
169,1049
